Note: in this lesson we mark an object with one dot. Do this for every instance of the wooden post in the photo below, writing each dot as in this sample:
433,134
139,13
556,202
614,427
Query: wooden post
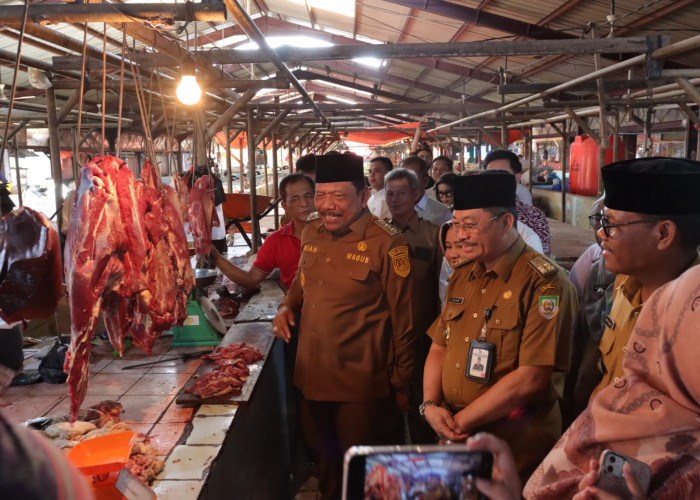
616,135
275,184
55,154
290,160
19,181
254,222
227,130
242,167
267,184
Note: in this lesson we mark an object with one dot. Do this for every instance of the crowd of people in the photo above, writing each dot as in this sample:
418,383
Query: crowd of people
419,314
512,353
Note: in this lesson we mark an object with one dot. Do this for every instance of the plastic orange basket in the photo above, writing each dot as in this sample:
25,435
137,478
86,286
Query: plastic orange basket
104,454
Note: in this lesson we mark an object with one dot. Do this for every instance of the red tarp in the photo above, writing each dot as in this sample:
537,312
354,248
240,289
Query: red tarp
382,136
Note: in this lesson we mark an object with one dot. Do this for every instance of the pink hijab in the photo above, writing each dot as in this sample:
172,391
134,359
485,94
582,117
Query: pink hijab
652,413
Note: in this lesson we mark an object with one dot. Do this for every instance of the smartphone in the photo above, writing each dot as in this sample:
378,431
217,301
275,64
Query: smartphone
612,479
402,472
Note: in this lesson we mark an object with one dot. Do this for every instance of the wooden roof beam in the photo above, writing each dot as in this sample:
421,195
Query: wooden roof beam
630,45
76,12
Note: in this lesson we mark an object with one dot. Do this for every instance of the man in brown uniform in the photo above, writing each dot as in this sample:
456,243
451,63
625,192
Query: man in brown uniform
402,191
650,233
501,344
356,340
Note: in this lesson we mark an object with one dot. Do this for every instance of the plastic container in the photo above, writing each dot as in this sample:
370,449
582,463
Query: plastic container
583,164
104,454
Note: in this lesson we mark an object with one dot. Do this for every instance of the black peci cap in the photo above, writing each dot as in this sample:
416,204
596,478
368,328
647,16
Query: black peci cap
655,186
339,168
484,190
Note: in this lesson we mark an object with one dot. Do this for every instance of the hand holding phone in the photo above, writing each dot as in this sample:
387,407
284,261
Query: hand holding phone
396,472
615,476
505,482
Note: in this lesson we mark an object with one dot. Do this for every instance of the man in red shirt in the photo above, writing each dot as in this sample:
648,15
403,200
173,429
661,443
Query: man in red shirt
282,248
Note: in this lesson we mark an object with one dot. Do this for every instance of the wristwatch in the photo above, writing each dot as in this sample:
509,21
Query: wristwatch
424,405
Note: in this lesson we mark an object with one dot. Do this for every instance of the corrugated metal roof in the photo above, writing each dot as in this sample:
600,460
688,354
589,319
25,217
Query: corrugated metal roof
432,79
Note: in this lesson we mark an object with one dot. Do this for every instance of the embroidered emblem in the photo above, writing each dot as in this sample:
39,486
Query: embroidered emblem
400,261
508,294
310,248
302,279
456,300
362,246
549,306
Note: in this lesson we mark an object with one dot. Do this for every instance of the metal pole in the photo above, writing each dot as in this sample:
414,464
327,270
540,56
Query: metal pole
275,177
227,130
564,164
267,184
241,169
251,180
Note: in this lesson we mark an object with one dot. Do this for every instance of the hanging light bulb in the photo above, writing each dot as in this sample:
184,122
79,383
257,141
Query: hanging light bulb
188,91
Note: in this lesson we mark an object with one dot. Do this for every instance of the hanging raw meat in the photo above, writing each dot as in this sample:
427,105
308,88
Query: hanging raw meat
201,213
126,254
30,266
104,255
183,197
168,269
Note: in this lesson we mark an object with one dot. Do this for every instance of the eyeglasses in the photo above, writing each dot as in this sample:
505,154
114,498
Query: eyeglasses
608,228
594,221
474,227
444,194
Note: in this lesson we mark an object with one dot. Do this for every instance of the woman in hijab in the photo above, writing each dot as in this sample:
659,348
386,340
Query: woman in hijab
651,414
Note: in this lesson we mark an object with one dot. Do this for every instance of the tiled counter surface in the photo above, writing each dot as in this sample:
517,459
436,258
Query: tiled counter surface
189,437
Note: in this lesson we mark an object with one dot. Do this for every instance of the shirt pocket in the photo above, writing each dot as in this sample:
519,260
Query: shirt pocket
451,316
503,331
607,342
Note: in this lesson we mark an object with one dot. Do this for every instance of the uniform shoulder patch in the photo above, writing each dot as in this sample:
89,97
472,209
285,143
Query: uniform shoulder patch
542,266
387,226
400,260
312,216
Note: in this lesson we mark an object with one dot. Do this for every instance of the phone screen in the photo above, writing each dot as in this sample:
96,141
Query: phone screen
412,473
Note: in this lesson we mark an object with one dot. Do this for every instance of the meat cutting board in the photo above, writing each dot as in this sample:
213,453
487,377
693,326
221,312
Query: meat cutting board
263,306
258,335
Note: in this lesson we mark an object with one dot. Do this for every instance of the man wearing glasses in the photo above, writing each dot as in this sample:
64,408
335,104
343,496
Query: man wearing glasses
511,311
650,232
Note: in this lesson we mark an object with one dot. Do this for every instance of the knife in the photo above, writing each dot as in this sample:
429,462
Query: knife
179,357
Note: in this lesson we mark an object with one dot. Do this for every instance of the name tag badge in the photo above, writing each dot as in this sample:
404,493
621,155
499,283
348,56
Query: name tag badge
480,361
609,323
456,300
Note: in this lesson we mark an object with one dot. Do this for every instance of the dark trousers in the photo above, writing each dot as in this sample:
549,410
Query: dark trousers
330,428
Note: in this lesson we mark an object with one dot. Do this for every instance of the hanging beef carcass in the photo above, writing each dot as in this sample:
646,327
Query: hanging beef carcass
104,256
30,266
168,269
126,254
201,213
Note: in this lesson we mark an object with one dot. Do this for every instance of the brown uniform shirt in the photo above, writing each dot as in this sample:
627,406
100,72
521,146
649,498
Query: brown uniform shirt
356,336
535,307
626,306
426,261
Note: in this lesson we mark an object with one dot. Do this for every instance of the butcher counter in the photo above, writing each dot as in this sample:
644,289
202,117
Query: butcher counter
236,448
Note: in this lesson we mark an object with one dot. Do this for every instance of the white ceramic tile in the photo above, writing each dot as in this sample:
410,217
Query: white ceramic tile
177,490
209,430
216,410
189,462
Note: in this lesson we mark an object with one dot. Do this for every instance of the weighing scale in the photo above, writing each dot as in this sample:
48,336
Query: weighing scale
204,325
